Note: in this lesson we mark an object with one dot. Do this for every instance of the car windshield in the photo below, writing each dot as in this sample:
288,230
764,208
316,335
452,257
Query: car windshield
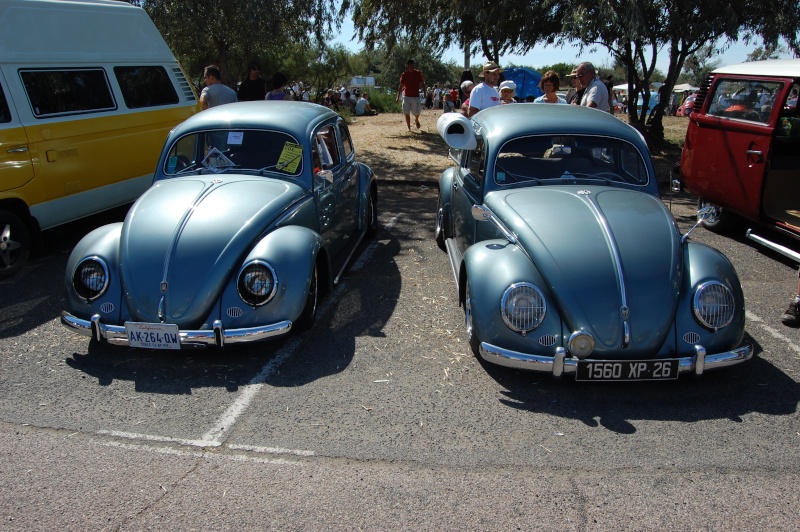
235,150
554,159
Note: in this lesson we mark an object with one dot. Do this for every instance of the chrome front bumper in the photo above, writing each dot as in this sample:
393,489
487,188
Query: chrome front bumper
217,336
559,364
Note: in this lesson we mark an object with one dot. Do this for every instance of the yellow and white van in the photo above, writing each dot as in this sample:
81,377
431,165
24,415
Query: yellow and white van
88,92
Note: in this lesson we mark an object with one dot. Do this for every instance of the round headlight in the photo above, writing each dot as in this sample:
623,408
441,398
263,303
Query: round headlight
714,305
90,278
523,307
580,344
257,283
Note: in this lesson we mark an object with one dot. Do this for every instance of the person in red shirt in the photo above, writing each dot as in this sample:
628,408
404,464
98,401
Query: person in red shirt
410,82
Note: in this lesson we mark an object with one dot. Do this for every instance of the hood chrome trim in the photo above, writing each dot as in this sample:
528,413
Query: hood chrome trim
179,228
624,310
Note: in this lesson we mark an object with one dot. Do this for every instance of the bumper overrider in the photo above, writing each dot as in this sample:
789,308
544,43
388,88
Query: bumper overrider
217,336
559,364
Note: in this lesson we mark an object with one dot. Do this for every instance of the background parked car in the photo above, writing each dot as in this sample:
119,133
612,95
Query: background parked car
685,109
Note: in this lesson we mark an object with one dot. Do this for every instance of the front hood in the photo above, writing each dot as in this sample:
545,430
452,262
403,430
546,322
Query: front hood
184,237
604,253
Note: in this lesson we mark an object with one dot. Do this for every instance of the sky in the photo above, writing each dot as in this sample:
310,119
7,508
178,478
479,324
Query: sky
542,56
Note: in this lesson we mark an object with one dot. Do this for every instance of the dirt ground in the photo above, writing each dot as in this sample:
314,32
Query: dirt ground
396,154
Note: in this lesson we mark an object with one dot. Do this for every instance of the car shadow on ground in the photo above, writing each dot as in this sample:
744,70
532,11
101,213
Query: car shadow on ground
362,308
728,393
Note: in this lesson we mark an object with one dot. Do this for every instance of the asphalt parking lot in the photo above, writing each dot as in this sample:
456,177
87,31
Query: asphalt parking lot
380,417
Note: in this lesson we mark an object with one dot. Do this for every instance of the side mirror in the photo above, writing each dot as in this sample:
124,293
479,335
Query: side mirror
705,213
325,176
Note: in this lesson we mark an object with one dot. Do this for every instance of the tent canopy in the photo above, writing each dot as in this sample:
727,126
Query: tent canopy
684,87
527,81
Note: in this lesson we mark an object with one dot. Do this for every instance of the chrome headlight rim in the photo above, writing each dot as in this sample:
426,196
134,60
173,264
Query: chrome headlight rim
248,295
719,320
538,312
79,284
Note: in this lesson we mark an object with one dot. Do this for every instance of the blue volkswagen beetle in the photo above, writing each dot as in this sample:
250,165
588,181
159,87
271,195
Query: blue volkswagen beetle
565,258
254,207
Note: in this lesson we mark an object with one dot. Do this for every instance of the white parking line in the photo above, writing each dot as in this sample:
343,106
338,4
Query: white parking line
215,436
772,331
226,422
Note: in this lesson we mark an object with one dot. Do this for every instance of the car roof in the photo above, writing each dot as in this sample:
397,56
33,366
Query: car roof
520,119
295,118
770,67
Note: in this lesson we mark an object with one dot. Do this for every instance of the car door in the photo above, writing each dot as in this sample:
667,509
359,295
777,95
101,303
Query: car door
728,144
16,167
335,188
468,191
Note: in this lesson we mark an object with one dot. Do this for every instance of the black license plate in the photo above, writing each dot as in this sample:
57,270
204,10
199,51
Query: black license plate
627,370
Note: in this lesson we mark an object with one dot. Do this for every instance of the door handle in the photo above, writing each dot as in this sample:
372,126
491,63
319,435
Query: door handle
758,153
21,149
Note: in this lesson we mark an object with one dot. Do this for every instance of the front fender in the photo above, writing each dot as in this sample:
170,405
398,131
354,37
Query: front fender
291,251
701,264
102,243
492,266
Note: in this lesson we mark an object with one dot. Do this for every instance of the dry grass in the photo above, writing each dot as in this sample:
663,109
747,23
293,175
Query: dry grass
396,154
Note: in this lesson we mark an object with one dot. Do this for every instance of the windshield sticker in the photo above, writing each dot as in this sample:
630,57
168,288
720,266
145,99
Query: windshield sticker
217,162
235,138
290,158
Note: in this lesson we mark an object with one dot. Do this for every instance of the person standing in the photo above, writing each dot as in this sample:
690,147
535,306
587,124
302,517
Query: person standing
575,94
507,90
278,92
484,94
253,87
215,92
549,85
410,82
595,92
791,315
466,90
609,83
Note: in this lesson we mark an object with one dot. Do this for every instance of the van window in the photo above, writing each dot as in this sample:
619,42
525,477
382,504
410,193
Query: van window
750,100
63,92
5,112
145,86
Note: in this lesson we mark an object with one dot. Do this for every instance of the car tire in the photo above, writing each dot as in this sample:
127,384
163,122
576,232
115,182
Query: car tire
723,221
372,215
309,314
15,244
439,229
472,337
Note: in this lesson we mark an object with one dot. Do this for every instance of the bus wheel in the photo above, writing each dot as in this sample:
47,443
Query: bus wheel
15,244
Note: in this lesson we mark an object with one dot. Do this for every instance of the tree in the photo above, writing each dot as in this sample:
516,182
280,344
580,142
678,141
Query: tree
494,28
699,65
230,33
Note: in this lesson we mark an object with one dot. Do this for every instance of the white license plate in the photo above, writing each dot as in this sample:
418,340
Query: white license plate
153,335
627,370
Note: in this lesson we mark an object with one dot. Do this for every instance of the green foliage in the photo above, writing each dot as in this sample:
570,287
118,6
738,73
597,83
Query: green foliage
383,102
232,33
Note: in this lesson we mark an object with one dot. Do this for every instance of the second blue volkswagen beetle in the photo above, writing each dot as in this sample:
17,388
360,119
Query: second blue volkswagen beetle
565,258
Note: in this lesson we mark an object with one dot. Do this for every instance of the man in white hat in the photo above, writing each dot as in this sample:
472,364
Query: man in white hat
484,94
